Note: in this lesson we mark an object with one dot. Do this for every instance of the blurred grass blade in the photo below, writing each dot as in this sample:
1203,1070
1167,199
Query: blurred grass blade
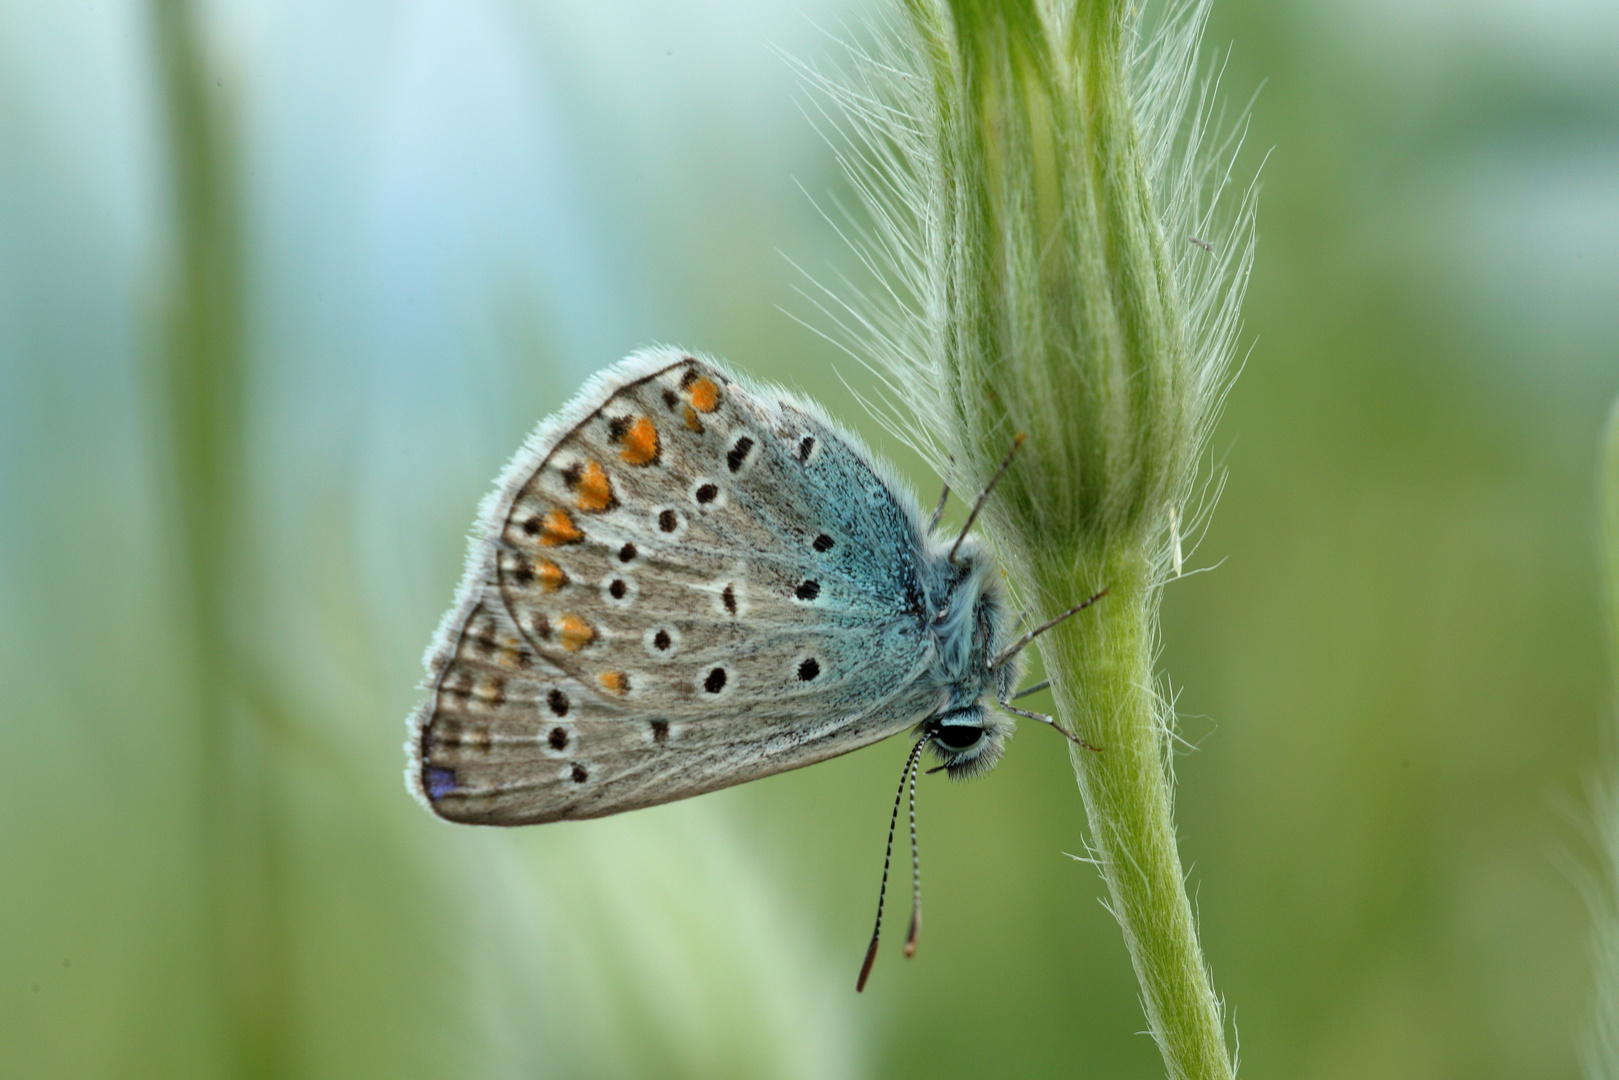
1601,1050
1608,503
199,380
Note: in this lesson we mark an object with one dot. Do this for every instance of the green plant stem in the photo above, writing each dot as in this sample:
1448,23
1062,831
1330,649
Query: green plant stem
1019,162
1070,327
1102,668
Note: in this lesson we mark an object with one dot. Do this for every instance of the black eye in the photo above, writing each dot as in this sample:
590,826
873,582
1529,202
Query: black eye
958,736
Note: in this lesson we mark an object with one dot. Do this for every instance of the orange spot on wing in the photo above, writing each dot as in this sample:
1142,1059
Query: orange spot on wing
705,396
574,633
640,443
595,489
558,528
551,576
614,681
691,419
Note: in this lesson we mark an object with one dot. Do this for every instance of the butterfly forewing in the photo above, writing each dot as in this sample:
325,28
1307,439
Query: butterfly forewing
681,585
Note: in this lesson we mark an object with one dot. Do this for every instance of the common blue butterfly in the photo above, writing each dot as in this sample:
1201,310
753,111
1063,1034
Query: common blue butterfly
685,580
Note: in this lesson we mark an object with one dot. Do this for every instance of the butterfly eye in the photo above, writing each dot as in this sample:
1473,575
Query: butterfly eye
958,736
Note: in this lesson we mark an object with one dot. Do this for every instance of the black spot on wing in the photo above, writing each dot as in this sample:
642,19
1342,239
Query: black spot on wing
738,454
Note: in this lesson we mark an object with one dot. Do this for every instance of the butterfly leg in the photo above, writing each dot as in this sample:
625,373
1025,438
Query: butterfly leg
1021,643
1049,722
1035,689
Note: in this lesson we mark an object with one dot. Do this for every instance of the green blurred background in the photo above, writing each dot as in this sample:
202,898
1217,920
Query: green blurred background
404,230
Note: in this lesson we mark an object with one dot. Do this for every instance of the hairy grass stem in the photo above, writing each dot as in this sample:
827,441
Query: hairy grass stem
1044,214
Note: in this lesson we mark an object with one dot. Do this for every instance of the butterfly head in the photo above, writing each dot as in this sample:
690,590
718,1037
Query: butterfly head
968,733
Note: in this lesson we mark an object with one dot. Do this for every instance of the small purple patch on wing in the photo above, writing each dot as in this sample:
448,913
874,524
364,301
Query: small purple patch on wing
440,782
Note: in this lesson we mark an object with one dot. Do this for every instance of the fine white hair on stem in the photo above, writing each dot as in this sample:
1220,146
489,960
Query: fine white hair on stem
876,110
875,115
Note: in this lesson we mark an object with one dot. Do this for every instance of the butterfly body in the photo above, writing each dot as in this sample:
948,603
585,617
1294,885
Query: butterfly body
685,581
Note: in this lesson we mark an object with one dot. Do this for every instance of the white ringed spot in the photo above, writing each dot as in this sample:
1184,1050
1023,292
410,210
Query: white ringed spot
662,642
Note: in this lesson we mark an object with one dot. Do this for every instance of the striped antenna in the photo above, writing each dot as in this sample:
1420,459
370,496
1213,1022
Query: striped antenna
908,777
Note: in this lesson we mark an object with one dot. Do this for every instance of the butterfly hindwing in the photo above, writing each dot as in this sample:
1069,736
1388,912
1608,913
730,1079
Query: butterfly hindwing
681,584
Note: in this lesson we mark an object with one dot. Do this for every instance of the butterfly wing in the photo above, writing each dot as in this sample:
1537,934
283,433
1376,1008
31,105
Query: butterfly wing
681,583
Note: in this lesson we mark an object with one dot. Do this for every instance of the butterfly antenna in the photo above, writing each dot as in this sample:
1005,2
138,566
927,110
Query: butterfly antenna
938,511
882,891
1023,642
983,496
916,877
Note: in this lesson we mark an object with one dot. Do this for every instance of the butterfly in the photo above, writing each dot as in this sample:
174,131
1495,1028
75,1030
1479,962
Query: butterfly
684,580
